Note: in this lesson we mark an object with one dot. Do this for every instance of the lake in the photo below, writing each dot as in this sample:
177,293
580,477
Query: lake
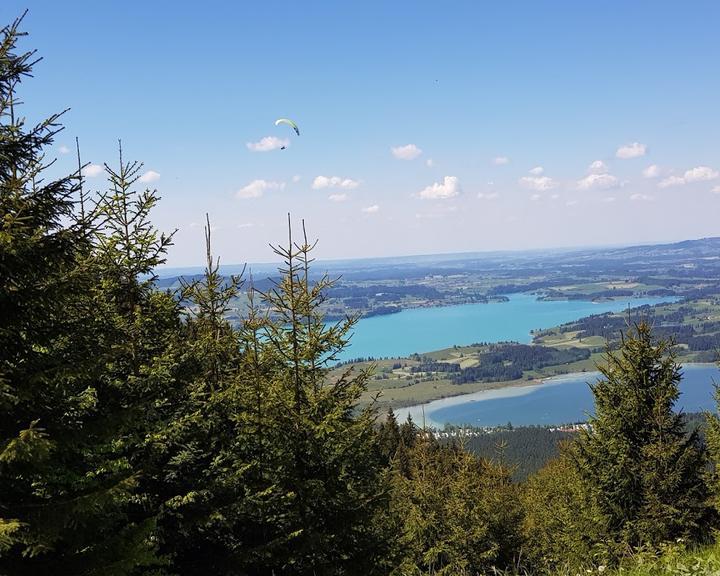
428,329
559,400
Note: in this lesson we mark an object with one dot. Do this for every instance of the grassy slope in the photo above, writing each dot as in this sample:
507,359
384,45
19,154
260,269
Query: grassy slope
674,562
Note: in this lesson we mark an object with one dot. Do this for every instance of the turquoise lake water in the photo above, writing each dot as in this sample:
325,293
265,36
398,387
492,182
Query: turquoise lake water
559,400
428,329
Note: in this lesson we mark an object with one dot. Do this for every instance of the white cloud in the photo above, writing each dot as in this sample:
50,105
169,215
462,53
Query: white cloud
697,174
652,171
537,170
632,150
341,197
598,167
701,174
407,152
150,176
671,181
92,170
572,202
539,183
643,197
501,160
268,143
598,182
64,149
449,188
430,162
608,199
488,195
296,178
245,225
716,189
321,182
257,188
554,196
535,197
371,209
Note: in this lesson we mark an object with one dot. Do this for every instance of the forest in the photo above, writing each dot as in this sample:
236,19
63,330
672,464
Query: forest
143,433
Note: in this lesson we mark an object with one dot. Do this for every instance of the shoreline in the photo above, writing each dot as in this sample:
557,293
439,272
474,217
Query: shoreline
420,412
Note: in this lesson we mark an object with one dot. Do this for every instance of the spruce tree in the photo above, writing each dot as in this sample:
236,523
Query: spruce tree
640,466
456,514
77,383
320,454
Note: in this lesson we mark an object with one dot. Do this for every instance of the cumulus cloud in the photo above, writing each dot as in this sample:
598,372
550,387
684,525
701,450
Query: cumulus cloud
539,183
92,170
371,209
671,181
64,149
296,178
501,160
632,150
449,188
150,176
488,195
321,182
257,188
697,174
430,162
598,167
268,143
641,197
701,174
537,170
652,171
597,182
407,152
341,197
716,189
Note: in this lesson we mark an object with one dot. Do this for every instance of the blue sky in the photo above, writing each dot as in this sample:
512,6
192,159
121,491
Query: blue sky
426,127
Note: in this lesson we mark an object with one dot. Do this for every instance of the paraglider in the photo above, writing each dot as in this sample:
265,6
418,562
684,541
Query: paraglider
289,123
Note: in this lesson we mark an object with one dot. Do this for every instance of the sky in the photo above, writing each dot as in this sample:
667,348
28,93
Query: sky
425,127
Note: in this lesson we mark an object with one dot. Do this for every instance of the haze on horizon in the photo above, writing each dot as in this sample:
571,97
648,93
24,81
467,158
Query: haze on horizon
425,129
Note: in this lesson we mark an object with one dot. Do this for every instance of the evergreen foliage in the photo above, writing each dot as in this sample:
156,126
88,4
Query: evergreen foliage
84,364
642,470
459,514
562,526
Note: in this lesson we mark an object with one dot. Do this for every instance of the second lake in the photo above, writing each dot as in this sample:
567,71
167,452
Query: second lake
559,400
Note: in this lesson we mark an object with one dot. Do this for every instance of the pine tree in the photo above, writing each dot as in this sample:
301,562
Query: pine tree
76,397
457,514
562,526
640,466
389,436
320,454
206,458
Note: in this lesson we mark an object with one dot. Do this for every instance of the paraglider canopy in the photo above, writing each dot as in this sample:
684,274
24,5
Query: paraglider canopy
289,123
